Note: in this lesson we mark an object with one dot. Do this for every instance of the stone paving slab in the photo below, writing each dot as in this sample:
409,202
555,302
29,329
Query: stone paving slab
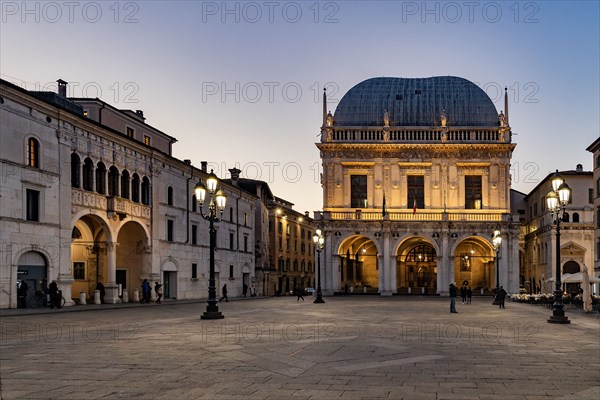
347,348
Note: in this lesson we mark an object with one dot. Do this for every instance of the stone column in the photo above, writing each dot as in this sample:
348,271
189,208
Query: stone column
388,284
112,290
381,274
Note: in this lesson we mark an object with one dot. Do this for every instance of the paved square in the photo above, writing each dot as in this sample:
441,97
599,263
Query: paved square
277,348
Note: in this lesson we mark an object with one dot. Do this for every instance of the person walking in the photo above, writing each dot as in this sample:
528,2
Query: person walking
146,289
224,293
159,292
453,293
22,289
469,294
501,297
54,296
299,293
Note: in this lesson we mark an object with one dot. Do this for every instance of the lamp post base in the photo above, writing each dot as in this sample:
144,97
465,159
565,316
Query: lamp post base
558,320
319,298
212,315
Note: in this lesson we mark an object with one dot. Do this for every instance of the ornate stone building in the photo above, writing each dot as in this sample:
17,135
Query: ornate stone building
594,148
91,193
415,181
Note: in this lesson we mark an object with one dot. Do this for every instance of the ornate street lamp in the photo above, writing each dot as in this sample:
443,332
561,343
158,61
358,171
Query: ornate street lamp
216,203
497,243
557,200
319,241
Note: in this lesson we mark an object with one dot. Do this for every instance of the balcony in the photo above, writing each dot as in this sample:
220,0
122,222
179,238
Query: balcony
417,135
114,206
425,215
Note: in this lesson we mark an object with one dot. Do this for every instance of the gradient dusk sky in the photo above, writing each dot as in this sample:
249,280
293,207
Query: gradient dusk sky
240,83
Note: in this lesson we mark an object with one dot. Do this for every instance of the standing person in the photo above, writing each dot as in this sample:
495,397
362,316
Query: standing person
244,290
453,292
252,291
224,293
22,294
426,289
501,297
469,294
53,290
146,289
463,294
159,292
102,290
299,293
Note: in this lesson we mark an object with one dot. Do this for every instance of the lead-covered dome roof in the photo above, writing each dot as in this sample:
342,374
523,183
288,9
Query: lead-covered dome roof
416,102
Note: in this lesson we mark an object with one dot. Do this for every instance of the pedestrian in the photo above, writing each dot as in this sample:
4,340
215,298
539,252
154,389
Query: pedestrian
244,290
501,297
146,289
224,293
346,289
453,293
426,289
463,294
159,292
22,289
299,293
253,291
102,290
469,294
54,299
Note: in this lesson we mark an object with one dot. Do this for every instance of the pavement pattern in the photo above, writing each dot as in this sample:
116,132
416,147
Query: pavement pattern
355,347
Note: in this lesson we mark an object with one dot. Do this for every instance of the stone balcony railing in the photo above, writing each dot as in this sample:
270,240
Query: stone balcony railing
416,134
112,205
420,215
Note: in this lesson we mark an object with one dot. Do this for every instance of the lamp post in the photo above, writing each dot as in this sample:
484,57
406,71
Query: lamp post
319,241
216,203
497,243
557,200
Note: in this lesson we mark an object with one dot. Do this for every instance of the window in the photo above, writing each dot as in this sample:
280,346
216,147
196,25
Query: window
194,203
231,241
194,234
295,265
287,264
415,191
598,217
231,272
598,187
591,196
194,271
147,140
598,161
135,188
287,244
33,205
113,181
287,229
302,248
170,230
145,191
535,209
575,217
245,219
565,217
101,178
75,170
280,244
130,131
170,195
231,214
302,233
79,271
473,192
280,227
246,243
33,153
88,175
358,191
125,184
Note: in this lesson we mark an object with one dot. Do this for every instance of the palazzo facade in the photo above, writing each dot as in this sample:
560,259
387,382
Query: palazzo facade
415,182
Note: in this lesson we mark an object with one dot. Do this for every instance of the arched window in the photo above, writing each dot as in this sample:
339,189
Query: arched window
75,170
170,195
575,217
309,266
146,191
194,203
423,252
113,181
571,267
125,184
135,188
565,217
88,174
33,153
101,178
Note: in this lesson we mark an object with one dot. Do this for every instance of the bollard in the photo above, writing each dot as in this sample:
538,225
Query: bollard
481,290
82,298
422,290
97,297
364,289
409,290
125,296
351,289
136,296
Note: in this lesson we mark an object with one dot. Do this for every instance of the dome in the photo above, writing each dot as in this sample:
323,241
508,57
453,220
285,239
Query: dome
416,102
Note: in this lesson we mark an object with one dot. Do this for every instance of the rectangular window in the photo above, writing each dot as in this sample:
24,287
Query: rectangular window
280,245
535,210
170,223
245,243
231,241
33,205
147,140
358,191
416,191
79,271
473,192
287,229
231,272
130,132
591,196
194,234
194,271
245,219
280,227
287,244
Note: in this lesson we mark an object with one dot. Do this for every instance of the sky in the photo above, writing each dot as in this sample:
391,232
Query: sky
239,84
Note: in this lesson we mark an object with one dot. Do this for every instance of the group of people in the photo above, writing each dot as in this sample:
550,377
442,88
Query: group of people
147,292
466,293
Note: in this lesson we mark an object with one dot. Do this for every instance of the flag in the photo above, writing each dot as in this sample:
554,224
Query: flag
383,211
414,204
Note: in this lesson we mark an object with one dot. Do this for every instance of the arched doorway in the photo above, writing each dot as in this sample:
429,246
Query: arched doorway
474,264
359,268
131,253
416,265
571,267
32,268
